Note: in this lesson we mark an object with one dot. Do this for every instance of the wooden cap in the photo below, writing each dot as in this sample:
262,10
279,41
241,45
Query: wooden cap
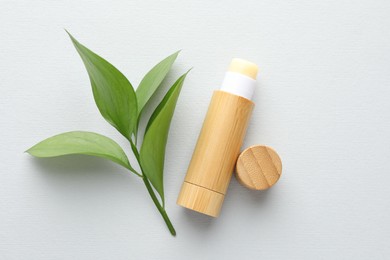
258,167
200,199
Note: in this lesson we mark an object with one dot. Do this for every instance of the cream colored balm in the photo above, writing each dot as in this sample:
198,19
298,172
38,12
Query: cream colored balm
220,140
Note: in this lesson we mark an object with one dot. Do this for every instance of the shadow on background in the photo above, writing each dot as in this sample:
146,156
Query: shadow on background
81,171
252,204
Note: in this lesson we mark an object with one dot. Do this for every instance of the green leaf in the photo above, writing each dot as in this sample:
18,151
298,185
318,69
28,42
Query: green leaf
80,142
113,93
152,80
152,153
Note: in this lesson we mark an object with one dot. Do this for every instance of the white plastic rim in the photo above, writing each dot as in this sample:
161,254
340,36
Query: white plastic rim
238,84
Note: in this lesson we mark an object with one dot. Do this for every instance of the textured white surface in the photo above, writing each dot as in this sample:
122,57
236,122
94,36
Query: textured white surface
323,103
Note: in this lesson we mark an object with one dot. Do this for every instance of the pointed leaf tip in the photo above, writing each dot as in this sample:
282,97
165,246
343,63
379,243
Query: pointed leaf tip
81,142
153,79
152,153
113,93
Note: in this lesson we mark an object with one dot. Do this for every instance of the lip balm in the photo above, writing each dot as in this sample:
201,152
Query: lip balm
223,131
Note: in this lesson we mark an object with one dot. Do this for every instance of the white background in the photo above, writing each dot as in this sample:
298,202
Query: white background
323,102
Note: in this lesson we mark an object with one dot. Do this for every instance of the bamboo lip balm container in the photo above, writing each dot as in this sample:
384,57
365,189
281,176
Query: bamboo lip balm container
220,139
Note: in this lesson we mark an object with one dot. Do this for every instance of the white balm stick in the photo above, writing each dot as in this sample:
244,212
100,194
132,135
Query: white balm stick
220,140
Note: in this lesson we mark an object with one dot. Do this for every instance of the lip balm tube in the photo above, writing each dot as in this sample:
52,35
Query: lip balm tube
220,140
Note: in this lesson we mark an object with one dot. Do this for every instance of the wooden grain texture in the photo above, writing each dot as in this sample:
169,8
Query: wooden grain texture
200,199
258,167
323,102
218,144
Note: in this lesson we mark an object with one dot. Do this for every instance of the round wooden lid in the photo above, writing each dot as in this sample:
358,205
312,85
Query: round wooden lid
258,167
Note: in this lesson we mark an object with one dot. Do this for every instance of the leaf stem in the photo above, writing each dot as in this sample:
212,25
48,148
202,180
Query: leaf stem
135,151
161,208
135,172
